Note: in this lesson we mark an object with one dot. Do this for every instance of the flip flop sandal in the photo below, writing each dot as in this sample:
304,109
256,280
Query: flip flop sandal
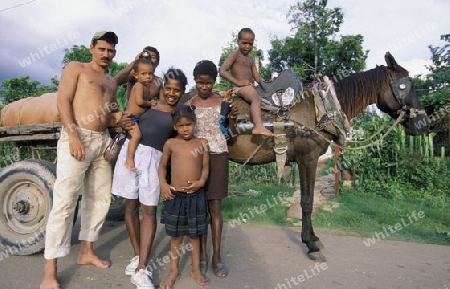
221,270
203,267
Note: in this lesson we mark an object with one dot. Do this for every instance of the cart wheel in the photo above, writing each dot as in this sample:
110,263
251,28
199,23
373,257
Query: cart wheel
26,197
117,209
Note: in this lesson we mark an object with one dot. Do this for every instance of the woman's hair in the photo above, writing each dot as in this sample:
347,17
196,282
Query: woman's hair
205,67
177,74
183,111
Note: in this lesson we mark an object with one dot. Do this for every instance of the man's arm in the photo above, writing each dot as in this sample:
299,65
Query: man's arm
124,75
66,93
161,88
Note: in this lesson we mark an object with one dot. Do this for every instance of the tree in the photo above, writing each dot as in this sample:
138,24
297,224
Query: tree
315,48
21,87
76,53
436,96
437,82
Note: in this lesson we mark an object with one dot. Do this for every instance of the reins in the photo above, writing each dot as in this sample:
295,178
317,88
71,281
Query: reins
238,169
333,144
371,137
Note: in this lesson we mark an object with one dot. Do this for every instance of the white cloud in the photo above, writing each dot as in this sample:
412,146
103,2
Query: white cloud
417,66
188,31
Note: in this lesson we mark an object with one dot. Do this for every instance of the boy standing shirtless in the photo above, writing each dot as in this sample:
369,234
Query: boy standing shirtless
243,71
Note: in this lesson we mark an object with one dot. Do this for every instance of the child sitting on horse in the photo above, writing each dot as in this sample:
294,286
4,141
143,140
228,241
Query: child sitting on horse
243,70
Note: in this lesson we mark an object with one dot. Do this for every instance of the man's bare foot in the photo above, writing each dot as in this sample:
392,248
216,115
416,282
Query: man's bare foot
263,131
168,283
200,279
49,280
129,164
91,259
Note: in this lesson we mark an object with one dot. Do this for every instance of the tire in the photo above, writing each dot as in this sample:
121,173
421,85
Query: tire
117,209
26,197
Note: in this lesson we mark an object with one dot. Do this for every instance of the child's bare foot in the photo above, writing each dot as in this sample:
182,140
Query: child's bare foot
49,280
262,131
91,259
168,283
129,164
200,279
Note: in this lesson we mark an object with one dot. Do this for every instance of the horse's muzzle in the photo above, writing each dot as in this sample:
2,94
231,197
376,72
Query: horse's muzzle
417,125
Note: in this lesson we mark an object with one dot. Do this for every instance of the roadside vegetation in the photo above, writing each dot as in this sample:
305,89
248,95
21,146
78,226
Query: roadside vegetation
391,180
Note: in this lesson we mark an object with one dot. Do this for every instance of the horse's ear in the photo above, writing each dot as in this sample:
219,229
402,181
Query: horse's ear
390,61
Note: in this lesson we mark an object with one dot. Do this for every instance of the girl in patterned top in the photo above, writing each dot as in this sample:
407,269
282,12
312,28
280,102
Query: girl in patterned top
208,105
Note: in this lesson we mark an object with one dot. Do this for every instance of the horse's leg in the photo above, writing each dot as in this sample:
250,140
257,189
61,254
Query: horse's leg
307,200
307,171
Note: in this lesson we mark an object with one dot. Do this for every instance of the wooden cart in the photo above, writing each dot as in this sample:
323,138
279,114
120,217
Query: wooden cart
26,188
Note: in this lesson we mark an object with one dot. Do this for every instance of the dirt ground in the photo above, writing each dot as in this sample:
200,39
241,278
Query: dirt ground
263,257
258,257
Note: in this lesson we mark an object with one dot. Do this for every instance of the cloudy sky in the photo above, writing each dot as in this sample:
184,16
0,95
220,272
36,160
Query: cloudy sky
34,33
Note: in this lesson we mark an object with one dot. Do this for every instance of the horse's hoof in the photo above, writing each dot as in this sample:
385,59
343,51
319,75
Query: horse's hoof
317,256
319,244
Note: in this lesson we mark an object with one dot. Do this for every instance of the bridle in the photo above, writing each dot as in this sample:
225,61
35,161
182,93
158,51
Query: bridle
400,89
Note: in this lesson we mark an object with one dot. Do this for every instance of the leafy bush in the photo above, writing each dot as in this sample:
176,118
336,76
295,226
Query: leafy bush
399,167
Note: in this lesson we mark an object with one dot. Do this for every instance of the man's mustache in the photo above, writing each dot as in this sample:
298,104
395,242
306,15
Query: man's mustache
106,58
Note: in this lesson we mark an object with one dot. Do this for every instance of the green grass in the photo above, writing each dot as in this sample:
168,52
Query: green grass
367,215
258,203
362,211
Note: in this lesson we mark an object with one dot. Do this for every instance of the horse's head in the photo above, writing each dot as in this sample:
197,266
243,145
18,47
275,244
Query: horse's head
403,98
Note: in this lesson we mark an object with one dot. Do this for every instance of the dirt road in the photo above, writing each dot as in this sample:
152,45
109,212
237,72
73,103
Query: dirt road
258,257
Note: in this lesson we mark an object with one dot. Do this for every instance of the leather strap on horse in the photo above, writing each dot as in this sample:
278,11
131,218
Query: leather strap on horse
238,169
280,147
397,121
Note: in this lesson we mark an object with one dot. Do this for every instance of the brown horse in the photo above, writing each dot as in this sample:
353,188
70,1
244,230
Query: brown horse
389,87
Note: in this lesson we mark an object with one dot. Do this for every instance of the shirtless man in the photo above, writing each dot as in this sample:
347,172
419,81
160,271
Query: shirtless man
243,71
86,100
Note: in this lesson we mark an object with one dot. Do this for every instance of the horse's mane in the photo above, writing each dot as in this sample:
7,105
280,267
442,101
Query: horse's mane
359,90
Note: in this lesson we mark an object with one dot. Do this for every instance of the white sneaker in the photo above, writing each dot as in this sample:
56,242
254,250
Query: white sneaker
142,279
131,268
